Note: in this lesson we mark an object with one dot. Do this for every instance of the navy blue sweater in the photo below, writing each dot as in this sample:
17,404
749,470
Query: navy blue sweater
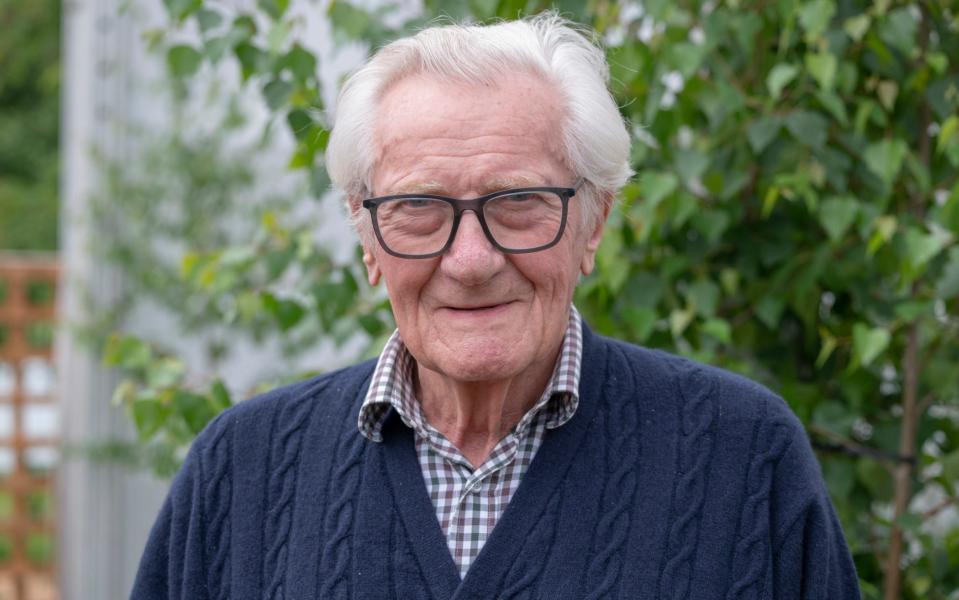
672,480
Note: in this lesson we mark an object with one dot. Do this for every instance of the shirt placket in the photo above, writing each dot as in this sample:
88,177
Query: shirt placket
466,527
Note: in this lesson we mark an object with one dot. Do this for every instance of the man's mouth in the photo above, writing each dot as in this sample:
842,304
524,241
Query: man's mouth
479,308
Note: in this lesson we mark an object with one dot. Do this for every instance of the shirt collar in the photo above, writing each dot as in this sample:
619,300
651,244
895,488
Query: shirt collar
392,387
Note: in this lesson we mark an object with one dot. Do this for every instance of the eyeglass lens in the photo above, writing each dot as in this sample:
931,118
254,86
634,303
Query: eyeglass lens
520,221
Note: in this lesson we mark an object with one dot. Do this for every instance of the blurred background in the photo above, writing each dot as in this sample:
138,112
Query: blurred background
170,244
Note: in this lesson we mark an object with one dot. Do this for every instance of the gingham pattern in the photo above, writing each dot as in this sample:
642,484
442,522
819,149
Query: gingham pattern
468,502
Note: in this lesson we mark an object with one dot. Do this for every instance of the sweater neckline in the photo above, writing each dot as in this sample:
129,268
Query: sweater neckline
530,499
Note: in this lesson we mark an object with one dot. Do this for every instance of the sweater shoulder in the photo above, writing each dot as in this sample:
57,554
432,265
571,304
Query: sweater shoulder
736,397
333,392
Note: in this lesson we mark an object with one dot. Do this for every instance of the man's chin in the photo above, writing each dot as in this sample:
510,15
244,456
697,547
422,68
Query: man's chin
487,359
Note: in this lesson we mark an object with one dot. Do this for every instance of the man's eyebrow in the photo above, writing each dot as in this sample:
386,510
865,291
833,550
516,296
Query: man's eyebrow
497,184
494,184
421,187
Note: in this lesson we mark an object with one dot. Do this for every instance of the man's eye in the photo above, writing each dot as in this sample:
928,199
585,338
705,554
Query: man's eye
417,202
527,197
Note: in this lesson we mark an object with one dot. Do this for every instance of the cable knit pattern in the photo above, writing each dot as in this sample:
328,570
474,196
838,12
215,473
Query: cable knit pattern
217,506
622,445
522,577
752,546
668,482
284,455
695,449
339,519
405,579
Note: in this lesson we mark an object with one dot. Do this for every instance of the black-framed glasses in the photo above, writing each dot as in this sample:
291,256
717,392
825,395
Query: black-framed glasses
515,221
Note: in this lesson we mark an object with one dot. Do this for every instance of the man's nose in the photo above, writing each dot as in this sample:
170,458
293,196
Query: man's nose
472,258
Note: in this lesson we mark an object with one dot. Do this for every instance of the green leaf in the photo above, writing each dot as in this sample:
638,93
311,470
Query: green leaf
252,59
883,230
276,93
685,57
857,26
947,215
829,343
822,66
719,330
183,60
938,61
836,214
729,279
245,27
834,417
301,63
691,164
840,476
922,247
277,36
834,104
949,129
885,158
779,77
220,396
950,464
869,342
815,16
681,208
642,320
193,409
770,198
910,521
348,19
127,352
875,477
887,91
274,8
762,131
181,9
770,309
898,29
479,7
165,372
947,286
704,295
124,393
644,289
612,269
286,312
711,223
300,122
655,186
810,128
679,320
149,415
911,310
208,19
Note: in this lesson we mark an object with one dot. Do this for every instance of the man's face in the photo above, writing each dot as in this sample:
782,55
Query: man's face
475,313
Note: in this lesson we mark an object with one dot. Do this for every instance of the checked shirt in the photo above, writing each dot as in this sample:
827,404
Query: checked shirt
469,501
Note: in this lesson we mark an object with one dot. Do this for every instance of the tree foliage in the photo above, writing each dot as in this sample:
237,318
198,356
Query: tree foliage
794,218
29,87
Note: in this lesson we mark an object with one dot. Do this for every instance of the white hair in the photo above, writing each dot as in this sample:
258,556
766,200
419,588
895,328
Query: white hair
594,136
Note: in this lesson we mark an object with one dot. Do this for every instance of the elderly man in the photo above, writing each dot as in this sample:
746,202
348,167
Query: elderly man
497,448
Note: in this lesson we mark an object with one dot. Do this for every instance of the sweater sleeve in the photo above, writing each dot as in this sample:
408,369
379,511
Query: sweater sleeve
810,558
172,563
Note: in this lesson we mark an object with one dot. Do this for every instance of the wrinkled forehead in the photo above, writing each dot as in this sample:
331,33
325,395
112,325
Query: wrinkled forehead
422,120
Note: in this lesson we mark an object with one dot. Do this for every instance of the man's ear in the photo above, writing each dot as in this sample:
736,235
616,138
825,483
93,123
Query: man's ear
372,266
366,241
596,235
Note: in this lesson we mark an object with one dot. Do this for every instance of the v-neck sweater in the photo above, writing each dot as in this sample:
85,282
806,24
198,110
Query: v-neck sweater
672,480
